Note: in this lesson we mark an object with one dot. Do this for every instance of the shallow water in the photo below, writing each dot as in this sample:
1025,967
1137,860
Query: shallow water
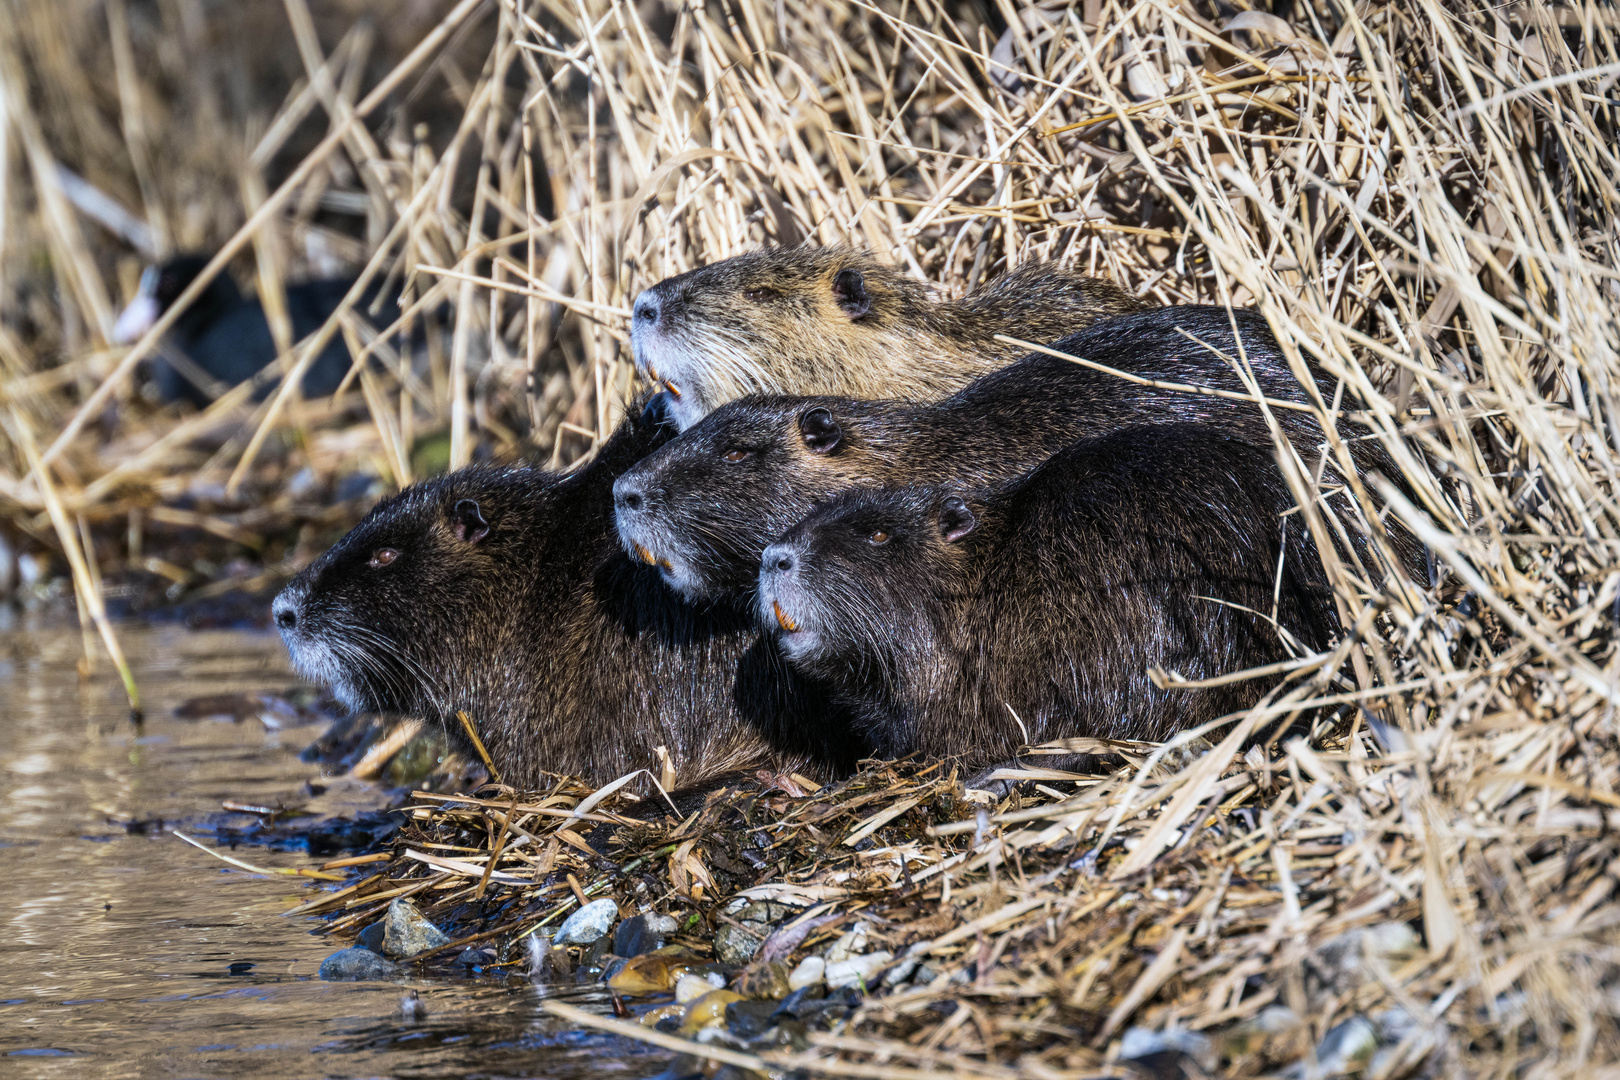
134,954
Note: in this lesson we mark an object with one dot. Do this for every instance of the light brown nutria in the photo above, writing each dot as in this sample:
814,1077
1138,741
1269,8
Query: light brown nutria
708,502
836,321
963,627
503,592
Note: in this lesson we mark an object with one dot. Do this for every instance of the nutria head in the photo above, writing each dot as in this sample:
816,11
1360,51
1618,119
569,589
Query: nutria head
705,505
860,583
408,612
161,285
790,320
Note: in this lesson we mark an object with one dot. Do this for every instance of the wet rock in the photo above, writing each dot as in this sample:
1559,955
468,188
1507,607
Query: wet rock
857,970
692,986
851,943
1142,1043
653,1018
473,958
406,933
649,975
768,980
801,1001
372,937
350,965
1345,1048
750,1019
738,944
811,971
589,924
641,934
708,1010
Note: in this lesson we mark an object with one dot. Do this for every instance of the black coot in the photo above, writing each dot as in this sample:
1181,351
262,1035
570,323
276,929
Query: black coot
224,339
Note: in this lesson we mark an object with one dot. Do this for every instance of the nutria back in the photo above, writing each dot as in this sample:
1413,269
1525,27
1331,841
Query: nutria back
705,505
968,627
503,592
837,321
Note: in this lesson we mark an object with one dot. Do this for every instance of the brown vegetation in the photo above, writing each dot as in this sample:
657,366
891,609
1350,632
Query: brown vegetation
1420,195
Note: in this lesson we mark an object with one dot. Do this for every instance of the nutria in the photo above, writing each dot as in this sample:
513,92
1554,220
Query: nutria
502,592
836,321
966,627
224,338
706,504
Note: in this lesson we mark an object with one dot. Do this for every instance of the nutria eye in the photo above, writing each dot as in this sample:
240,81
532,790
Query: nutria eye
735,456
382,557
879,537
759,295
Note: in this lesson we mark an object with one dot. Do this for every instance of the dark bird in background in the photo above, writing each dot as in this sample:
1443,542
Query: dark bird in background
224,339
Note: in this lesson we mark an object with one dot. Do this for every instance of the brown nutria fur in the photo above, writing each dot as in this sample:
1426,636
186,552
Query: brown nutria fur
967,628
502,592
837,321
706,504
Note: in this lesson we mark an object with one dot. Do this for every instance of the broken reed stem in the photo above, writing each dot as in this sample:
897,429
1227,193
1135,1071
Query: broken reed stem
86,584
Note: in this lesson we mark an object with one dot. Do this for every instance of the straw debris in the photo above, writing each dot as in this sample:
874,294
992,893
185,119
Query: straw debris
1420,196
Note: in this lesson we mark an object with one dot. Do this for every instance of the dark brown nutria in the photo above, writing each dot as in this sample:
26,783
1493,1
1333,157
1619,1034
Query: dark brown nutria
967,628
708,502
836,321
503,592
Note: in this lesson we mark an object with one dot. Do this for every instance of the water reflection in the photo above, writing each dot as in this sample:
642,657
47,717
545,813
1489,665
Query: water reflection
124,952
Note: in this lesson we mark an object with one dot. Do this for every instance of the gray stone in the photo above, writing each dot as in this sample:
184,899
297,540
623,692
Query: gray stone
372,937
589,924
735,945
1144,1042
642,934
406,933
349,965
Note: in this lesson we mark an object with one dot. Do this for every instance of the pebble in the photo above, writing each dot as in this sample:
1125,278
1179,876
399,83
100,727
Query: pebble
1346,1045
642,934
351,965
649,975
708,1010
849,944
811,970
750,1019
372,937
738,944
857,970
690,987
589,924
407,933
1143,1042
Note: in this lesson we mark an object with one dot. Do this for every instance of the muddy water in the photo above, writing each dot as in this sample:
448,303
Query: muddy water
129,953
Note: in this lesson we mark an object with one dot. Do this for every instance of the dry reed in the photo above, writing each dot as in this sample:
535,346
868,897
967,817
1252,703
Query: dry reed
1420,196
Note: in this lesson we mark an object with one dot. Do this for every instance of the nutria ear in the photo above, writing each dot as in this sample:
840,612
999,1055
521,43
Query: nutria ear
821,432
955,519
849,291
467,522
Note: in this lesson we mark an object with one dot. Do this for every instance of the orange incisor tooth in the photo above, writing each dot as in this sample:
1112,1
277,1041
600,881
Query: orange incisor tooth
782,619
672,388
646,556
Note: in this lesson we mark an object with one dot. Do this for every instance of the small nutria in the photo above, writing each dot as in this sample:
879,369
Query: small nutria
503,592
836,321
708,502
224,338
967,628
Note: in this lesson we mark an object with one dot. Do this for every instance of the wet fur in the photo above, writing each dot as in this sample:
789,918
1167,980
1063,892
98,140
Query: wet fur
1041,622
771,322
570,657
709,519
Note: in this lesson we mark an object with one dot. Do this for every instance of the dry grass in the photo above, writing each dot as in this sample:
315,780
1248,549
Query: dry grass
1421,196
